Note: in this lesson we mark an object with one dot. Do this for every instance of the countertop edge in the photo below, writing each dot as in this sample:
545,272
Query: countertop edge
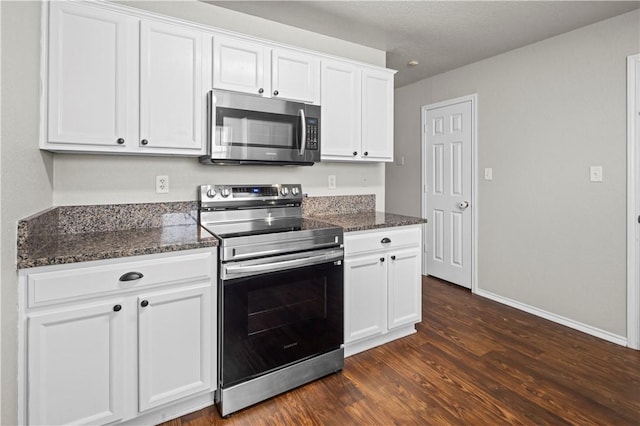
115,254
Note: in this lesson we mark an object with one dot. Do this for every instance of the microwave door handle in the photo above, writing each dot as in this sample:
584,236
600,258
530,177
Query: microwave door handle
303,138
211,121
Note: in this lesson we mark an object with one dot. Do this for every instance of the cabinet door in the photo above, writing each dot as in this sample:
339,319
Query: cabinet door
92,78
295,76
377,115
240,66
405,287
365,286
340,100
171,94
75,361
174,344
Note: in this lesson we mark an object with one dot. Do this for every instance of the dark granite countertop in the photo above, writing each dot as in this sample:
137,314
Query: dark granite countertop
71,234
83,233
369,220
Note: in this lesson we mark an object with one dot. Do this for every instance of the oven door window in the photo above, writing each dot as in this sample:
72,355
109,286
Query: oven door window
235,127
276,319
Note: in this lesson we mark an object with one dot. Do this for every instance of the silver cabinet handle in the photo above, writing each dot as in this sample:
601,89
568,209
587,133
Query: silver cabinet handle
463,205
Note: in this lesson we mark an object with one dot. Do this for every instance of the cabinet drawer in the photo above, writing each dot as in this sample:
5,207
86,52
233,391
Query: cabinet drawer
372,241
73,283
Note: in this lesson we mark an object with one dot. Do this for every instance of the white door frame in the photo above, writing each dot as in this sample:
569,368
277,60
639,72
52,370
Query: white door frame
633,205
474,188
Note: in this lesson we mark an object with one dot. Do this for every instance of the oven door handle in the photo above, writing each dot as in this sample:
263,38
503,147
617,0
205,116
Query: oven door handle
282,265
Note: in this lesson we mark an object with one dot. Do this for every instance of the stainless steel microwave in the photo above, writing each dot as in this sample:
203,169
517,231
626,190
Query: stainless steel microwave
248,129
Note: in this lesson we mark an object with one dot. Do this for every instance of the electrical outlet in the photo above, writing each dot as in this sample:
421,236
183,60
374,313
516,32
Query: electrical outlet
332,181
595,173
162,184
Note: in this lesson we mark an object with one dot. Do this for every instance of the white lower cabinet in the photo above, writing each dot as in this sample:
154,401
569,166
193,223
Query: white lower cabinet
75,360
174,345
139,350
365,297
383,286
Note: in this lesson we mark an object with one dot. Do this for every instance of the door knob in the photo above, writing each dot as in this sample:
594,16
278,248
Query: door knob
463,205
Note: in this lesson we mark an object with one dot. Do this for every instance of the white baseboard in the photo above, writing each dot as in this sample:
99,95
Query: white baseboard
593,331
380,339
172,411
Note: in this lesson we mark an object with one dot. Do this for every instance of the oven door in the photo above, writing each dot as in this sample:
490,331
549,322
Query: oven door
246,128
277,311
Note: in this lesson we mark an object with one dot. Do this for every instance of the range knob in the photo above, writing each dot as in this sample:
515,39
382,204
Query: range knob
284,191
225,192
295,190
211,193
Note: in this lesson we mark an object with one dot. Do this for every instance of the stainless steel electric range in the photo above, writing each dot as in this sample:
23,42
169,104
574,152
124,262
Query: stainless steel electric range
280,292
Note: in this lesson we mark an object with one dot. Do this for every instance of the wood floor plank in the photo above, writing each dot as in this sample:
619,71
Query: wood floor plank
472,361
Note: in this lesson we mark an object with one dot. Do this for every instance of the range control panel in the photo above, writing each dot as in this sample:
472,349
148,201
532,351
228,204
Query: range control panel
226,193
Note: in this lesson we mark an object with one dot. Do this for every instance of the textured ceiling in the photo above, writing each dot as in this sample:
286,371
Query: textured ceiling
441,35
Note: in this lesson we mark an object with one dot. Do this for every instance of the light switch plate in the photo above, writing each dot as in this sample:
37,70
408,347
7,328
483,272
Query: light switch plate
595,173
488,173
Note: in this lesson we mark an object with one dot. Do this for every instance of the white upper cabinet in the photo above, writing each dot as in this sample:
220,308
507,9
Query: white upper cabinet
377,115
171,89
121,84
295,76
341,110
357,113
240,66
254,68
123,81
92,77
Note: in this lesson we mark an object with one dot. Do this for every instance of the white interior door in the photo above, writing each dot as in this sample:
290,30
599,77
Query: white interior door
447,138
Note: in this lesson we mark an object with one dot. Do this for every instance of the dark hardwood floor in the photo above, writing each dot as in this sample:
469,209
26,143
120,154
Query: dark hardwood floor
472,362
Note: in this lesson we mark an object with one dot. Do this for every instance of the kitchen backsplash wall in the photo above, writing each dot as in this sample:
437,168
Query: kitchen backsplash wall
338,204
102,179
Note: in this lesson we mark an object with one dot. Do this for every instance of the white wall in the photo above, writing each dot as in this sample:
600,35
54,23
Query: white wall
27,183
547,237
26,173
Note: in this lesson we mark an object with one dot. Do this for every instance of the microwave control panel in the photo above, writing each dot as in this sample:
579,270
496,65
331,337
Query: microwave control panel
313,133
